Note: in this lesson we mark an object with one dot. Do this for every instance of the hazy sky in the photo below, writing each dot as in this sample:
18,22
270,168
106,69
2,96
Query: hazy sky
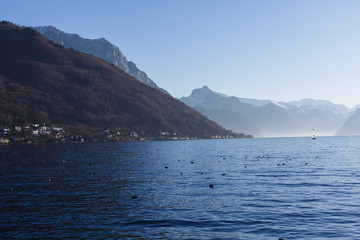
279,50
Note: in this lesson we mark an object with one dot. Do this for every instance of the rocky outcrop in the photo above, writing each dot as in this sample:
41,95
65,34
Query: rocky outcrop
100,48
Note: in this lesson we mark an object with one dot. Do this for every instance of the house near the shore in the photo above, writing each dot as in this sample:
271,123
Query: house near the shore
45,130
128,133
35,132
58,129
4,141
26,128
4,130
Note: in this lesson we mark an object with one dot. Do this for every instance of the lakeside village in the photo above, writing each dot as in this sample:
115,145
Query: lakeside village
36,133
48,133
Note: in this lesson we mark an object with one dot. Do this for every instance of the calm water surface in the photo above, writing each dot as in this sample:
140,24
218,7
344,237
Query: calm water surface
291,188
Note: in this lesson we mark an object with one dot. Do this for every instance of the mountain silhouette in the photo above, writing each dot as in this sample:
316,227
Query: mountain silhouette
43,82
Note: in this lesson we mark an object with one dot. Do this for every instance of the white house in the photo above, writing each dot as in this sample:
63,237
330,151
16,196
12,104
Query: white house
36,132
44,130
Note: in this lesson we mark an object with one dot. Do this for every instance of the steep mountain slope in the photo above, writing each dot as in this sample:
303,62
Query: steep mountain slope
230,119
41,81
268,118
97,47
352,125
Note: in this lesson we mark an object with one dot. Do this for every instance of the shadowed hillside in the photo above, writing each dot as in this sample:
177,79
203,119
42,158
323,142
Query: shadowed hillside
43,82
352,125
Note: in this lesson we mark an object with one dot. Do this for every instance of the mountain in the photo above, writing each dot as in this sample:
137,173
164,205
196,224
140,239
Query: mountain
97,47
352,125
232,120
238,116
43,82
309,103
266,118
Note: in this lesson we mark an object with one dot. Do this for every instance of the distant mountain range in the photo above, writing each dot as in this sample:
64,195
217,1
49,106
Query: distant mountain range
351,127
267,118
43,82
97,47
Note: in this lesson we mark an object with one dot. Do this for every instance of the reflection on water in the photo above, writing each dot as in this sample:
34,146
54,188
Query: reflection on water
262,189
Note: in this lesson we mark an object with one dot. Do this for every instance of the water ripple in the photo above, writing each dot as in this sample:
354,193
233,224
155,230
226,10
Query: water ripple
292,188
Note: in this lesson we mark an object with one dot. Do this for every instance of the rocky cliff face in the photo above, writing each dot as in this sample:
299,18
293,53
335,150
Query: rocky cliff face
100,48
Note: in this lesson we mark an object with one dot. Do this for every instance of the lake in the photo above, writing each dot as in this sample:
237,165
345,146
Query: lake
270,188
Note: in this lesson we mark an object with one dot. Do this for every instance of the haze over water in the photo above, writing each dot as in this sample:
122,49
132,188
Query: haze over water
291,188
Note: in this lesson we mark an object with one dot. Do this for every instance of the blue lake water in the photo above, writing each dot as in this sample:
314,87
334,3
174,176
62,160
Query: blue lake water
290,188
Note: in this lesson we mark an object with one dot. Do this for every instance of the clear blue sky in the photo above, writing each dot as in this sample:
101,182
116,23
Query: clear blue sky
280,50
